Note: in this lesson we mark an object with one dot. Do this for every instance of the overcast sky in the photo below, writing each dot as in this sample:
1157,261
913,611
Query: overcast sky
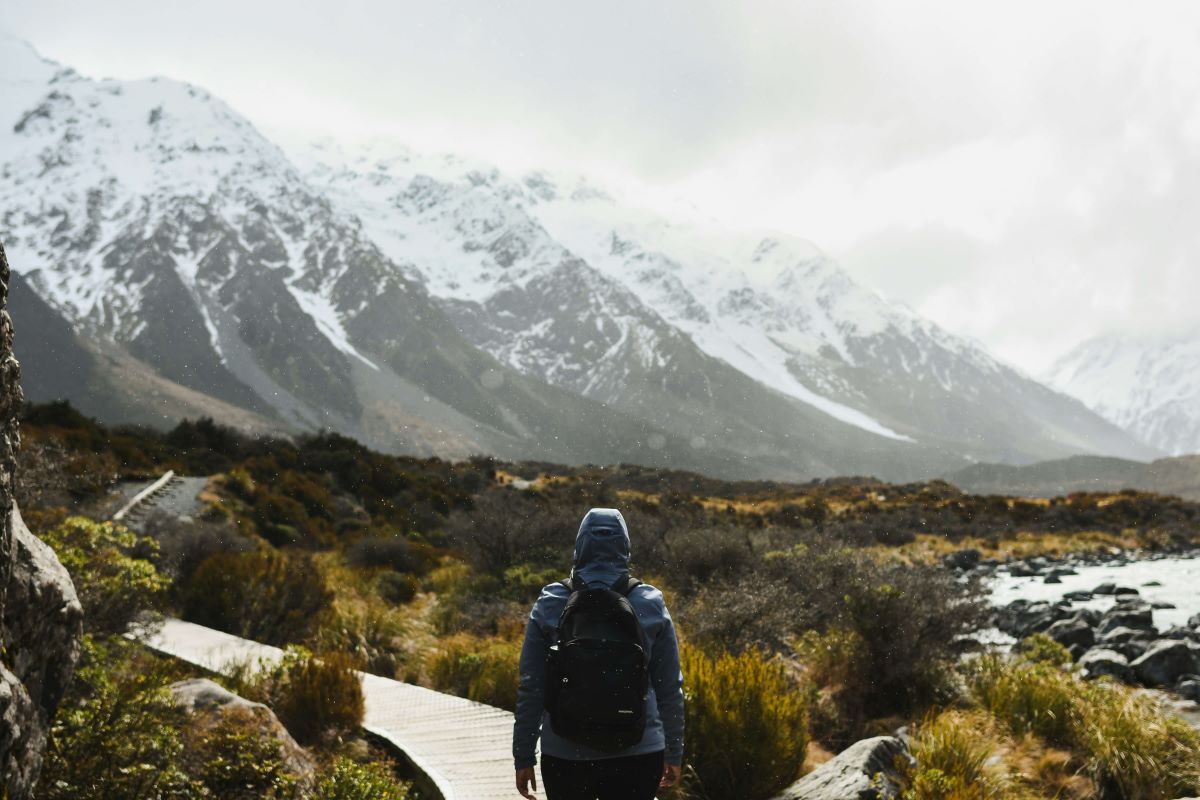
1024,173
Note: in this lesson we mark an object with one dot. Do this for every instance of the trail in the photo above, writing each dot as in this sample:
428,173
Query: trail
462,747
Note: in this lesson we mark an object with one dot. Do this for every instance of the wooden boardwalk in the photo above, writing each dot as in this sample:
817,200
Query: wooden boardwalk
463,747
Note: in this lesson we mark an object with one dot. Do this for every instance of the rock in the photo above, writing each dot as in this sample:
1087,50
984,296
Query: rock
1069,632
967,558
40,617
1189,689
1021,618
1194,621
1105,588
1176,632
1078,594
1162,604
1102,661
209,703
1152,583
1125,591
1165,661
865,770
1090,616
1138,619
1052,579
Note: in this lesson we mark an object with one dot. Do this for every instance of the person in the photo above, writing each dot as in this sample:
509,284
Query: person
573,771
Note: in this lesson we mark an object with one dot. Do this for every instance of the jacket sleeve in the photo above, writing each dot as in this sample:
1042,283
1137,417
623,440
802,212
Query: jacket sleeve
668,687
528,722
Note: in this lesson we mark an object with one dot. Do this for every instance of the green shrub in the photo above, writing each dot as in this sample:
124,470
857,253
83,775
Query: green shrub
319,696
1041,649
831,663
114,586
234,760
1131,747
908,618
116,733
265,595
484,670
747,726
348,780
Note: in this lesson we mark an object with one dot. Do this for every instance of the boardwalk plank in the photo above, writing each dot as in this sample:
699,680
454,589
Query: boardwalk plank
462,746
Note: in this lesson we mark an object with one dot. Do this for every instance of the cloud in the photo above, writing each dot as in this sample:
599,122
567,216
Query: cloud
1026,173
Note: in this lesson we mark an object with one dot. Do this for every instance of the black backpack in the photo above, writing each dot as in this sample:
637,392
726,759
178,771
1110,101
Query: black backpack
596,675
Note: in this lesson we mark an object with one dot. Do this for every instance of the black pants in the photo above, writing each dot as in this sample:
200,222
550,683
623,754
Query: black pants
624,778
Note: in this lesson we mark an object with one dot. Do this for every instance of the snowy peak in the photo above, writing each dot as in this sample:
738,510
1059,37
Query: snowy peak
1151,389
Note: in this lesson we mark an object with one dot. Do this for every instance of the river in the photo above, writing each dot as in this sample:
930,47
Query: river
1179,579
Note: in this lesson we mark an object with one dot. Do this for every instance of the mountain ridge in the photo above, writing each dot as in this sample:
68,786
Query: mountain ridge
1151,389
457,312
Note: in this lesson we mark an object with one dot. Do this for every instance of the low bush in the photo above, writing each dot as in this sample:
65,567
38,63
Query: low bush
397,587
373,634
747,726
266,595
908,619
116,733
317,697
510,527
183,545
1041,649
115,586
234,760
391,552
349,780
484,670
1130,746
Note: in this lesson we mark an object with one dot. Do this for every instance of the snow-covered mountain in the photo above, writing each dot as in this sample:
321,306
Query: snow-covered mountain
194,261
1151,390
547,274
429,305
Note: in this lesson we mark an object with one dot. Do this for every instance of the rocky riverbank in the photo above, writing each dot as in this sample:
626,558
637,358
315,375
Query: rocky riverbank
1134,617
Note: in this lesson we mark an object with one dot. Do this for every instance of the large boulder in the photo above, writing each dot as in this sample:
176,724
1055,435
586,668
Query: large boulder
40,617
1022,618
1101,661
866,770
1126,616
1165,662
967,558
209,703
1068,632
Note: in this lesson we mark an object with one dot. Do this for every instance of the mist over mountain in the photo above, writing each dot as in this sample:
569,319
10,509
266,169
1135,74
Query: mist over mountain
430,305
1151,389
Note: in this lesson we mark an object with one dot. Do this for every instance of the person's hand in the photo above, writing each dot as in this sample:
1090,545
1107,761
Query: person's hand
527,782
670,775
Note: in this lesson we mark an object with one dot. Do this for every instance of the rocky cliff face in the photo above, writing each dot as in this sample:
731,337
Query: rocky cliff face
40,616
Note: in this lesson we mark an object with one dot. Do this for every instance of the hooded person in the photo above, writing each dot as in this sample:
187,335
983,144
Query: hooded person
573,771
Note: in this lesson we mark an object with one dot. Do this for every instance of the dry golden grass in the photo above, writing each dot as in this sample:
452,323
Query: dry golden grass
928,548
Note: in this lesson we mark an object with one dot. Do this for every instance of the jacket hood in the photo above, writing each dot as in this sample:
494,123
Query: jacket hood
602,546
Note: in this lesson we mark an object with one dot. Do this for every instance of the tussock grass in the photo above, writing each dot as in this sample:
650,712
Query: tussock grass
747,725
1130,746
957,759
480,669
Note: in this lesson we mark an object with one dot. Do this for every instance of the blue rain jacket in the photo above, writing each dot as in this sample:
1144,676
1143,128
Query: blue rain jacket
601,557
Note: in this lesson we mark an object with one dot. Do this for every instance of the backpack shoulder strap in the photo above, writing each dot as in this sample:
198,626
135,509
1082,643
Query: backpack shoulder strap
625,585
